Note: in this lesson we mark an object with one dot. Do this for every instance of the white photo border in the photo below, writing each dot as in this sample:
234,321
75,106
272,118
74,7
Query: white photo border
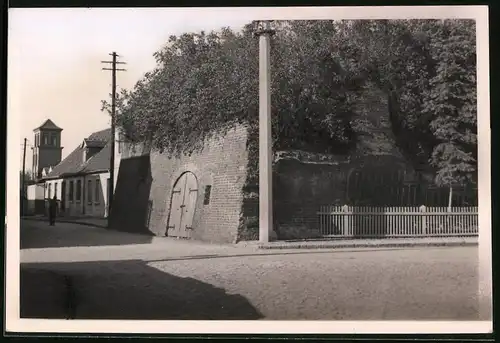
478,13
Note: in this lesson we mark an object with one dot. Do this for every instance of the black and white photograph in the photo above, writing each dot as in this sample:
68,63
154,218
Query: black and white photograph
249,170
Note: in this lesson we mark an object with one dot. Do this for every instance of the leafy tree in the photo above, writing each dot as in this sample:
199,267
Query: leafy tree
394,56
313,95
427,69
28,180
28,176
451,103
205,82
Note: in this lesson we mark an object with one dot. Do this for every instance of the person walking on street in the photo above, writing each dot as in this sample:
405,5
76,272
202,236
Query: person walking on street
52,210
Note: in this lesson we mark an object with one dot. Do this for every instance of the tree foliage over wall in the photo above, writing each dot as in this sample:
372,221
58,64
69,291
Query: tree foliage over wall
28,178
203,82
451,103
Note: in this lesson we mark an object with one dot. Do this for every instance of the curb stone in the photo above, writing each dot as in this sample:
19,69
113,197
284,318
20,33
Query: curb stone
363,245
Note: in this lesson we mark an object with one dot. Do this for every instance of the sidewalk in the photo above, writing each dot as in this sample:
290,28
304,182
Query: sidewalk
306,244
89,221
371,243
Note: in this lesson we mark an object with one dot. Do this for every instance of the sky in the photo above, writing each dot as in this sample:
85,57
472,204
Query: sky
55,54
55,61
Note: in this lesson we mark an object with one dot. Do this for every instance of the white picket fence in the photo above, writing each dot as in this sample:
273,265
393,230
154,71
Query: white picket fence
354,221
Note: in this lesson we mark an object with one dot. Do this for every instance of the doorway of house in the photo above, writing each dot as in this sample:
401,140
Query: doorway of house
182,206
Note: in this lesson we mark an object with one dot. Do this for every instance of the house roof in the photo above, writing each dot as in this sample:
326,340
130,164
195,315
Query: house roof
103,135
48,124
100,161
94,143
74,163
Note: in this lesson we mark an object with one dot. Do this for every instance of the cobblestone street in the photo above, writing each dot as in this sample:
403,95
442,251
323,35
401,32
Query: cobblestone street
169,279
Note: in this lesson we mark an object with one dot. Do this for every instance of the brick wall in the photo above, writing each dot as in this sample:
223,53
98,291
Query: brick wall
301,188
145,180
132,193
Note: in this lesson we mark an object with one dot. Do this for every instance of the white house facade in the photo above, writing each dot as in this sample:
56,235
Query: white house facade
81,181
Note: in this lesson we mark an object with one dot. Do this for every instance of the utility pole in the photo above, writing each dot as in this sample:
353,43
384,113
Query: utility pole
264,31
113,69
23,183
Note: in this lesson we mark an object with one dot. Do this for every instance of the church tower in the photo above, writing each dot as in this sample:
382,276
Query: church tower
47,151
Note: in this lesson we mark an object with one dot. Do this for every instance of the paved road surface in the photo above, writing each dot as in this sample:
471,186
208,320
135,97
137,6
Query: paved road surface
174,280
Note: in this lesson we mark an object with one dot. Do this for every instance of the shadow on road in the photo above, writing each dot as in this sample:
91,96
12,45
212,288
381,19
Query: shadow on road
37,235
123,290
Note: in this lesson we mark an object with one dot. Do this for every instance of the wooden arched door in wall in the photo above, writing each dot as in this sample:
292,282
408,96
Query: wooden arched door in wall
182,206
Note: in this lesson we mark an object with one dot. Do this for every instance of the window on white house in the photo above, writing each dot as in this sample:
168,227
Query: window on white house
108,188
89,192
78,190
97,191
49,195
71,190
55,189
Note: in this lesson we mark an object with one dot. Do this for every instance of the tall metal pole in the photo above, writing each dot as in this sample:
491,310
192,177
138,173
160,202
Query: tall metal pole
111,186
264,32
23,183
